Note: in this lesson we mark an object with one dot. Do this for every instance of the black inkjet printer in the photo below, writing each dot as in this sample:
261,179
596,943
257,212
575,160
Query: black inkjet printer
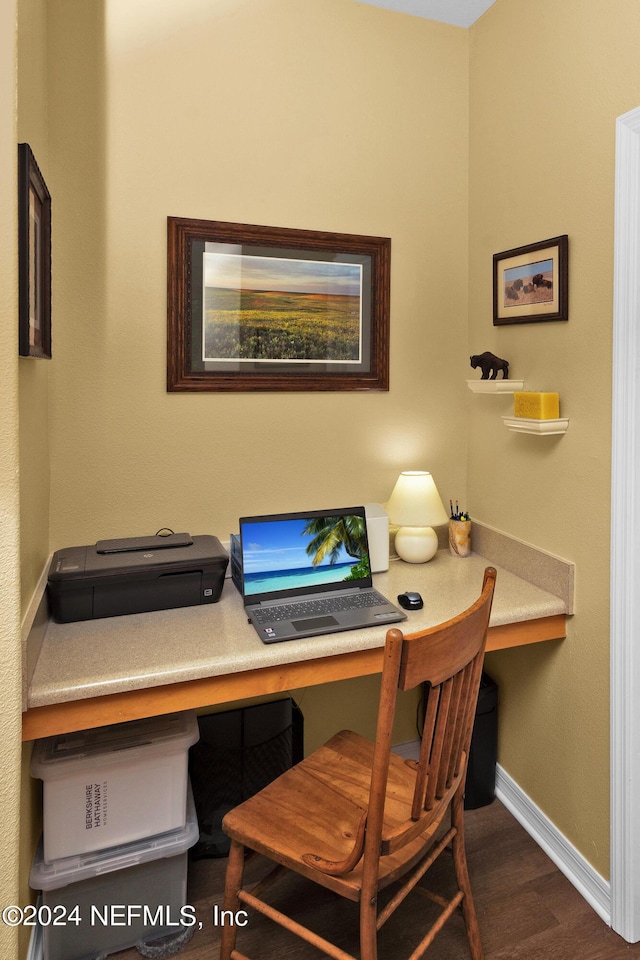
135,575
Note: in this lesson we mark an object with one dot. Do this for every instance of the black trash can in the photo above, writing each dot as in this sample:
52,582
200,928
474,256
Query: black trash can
239,752
480,788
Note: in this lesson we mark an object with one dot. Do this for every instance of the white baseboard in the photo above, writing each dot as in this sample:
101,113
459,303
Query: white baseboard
587,881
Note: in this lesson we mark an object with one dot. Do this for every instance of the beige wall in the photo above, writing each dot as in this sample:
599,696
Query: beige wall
33,395
33,128
327,115
10,651
546,87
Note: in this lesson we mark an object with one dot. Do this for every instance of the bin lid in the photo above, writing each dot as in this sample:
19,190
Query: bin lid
60,873
55,757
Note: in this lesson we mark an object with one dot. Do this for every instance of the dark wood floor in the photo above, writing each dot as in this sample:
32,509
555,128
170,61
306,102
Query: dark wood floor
527,909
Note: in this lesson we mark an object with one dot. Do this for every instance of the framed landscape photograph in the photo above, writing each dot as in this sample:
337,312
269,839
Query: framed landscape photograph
34,258
269,308
531,283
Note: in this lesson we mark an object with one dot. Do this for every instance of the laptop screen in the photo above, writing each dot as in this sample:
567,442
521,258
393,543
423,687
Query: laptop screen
287,555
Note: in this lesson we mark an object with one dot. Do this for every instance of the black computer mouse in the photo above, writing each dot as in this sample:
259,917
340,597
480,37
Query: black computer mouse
410,600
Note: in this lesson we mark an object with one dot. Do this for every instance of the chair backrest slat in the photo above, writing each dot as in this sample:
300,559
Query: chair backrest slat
420,793
455,728
434,780
448,660
458,751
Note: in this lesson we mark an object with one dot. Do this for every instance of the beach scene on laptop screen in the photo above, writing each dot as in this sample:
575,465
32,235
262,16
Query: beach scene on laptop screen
308,552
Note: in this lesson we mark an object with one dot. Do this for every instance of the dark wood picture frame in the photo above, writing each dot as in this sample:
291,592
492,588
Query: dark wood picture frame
531,283
256,308
34,258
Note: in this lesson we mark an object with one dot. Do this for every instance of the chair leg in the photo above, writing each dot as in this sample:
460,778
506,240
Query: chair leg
462,878
233,883
368,930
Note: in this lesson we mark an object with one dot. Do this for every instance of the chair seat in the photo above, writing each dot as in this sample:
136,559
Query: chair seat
334,783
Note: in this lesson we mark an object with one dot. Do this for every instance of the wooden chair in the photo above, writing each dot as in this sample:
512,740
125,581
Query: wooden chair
355,817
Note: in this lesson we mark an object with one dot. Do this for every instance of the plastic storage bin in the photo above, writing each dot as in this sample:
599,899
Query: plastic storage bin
115,784
113,899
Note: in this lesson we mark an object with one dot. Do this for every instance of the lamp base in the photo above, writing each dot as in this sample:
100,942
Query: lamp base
416,544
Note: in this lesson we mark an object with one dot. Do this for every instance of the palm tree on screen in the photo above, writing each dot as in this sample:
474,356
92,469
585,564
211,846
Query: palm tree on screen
331,533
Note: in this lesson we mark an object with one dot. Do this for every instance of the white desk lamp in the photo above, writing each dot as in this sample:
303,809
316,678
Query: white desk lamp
415,505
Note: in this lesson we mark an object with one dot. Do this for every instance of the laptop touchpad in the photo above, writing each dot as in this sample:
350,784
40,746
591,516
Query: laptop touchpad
313,622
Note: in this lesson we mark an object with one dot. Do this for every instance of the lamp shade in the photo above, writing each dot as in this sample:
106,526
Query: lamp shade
415,501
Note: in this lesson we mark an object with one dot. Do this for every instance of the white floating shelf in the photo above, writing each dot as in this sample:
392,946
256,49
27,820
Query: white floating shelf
539,427
495,386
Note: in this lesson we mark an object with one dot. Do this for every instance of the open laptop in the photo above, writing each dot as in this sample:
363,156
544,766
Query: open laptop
305,574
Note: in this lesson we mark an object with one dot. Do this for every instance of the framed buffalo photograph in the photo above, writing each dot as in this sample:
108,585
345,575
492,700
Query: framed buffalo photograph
531,283
34,258
270,308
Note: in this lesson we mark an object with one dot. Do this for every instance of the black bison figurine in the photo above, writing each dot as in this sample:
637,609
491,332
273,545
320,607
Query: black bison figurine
490,365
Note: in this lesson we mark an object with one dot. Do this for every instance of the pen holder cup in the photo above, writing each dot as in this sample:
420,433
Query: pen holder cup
459,538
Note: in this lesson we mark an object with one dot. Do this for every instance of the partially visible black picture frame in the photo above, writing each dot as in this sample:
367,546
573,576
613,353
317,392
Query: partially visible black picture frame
34,258
531,283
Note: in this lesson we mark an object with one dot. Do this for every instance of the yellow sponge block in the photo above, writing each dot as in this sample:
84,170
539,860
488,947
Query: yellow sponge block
536,406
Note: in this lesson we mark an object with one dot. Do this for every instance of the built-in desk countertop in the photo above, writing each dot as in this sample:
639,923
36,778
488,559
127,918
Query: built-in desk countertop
96,672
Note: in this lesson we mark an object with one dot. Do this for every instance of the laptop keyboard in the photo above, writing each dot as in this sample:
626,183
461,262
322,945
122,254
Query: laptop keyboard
313,608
